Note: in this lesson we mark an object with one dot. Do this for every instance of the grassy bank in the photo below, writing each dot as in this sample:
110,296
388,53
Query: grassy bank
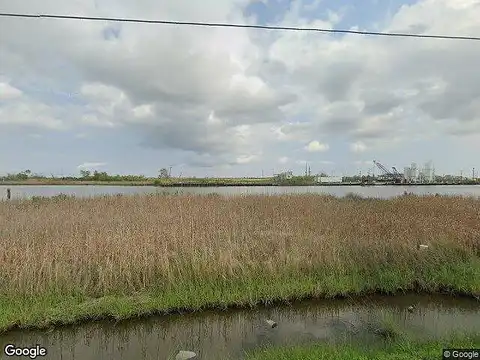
400,350
65,260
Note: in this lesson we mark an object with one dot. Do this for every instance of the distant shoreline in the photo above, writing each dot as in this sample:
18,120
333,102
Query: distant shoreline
230,183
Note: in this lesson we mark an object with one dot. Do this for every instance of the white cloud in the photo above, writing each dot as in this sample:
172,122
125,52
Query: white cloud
283,160
247,159
316,146
96,120
35,136
91,165
30,113
364,162
358,147
8,92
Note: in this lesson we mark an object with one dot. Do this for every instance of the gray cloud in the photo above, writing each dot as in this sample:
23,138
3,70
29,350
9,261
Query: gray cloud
338,78
216,91
380,102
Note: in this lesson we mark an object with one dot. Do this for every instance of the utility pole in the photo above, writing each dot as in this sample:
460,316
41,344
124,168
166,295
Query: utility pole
262,173
473,174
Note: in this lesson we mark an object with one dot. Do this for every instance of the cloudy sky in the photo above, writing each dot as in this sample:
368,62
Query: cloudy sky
133,98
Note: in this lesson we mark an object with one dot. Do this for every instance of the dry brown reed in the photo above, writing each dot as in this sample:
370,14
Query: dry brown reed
129,244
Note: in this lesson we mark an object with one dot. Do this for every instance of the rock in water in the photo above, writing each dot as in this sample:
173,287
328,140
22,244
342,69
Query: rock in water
271,323
185,355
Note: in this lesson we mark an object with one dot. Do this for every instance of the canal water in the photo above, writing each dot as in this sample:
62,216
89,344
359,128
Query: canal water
373,191
230,334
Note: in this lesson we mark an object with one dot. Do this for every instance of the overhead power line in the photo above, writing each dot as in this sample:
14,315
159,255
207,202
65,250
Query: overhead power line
245,26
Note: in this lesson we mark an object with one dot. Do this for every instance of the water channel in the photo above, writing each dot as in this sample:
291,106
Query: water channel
230,334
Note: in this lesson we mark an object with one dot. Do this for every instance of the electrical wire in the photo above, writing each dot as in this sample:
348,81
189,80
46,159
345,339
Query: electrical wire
246,26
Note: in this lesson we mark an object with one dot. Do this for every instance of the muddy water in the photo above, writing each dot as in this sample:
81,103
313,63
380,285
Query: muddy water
228,335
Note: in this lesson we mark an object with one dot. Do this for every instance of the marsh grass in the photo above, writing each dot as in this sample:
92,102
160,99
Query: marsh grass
129,255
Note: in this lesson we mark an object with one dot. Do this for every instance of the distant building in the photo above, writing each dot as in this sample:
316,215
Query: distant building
428,172
328,179
408,174
413,174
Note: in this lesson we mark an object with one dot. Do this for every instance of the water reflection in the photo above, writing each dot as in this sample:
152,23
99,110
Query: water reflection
376,191
227,335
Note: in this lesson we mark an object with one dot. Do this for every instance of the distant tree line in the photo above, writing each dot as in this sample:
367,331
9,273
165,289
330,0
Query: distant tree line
22,175
104,176
85,175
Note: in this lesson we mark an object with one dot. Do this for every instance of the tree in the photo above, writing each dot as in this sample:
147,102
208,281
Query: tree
163,174
85,173
23,175
100,176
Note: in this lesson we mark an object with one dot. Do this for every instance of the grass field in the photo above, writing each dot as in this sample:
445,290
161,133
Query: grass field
65,260
398,350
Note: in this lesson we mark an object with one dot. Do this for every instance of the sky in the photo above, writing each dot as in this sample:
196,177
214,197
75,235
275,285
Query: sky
132,98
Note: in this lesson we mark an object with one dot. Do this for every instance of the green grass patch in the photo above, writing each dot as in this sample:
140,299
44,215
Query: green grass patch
398,350
55,308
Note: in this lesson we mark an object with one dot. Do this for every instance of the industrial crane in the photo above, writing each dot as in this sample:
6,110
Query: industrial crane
395,175
383,168
398,177
395,172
